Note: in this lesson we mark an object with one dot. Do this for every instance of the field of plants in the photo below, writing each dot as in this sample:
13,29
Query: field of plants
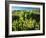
24,20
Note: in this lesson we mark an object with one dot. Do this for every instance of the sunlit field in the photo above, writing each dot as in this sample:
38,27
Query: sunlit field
24,20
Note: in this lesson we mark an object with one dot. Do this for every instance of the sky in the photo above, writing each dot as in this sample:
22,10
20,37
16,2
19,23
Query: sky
23,8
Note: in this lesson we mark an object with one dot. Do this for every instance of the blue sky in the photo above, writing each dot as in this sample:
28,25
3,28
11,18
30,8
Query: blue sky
23,8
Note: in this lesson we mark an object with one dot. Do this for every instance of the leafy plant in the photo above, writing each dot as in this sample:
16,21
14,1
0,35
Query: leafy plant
25,20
